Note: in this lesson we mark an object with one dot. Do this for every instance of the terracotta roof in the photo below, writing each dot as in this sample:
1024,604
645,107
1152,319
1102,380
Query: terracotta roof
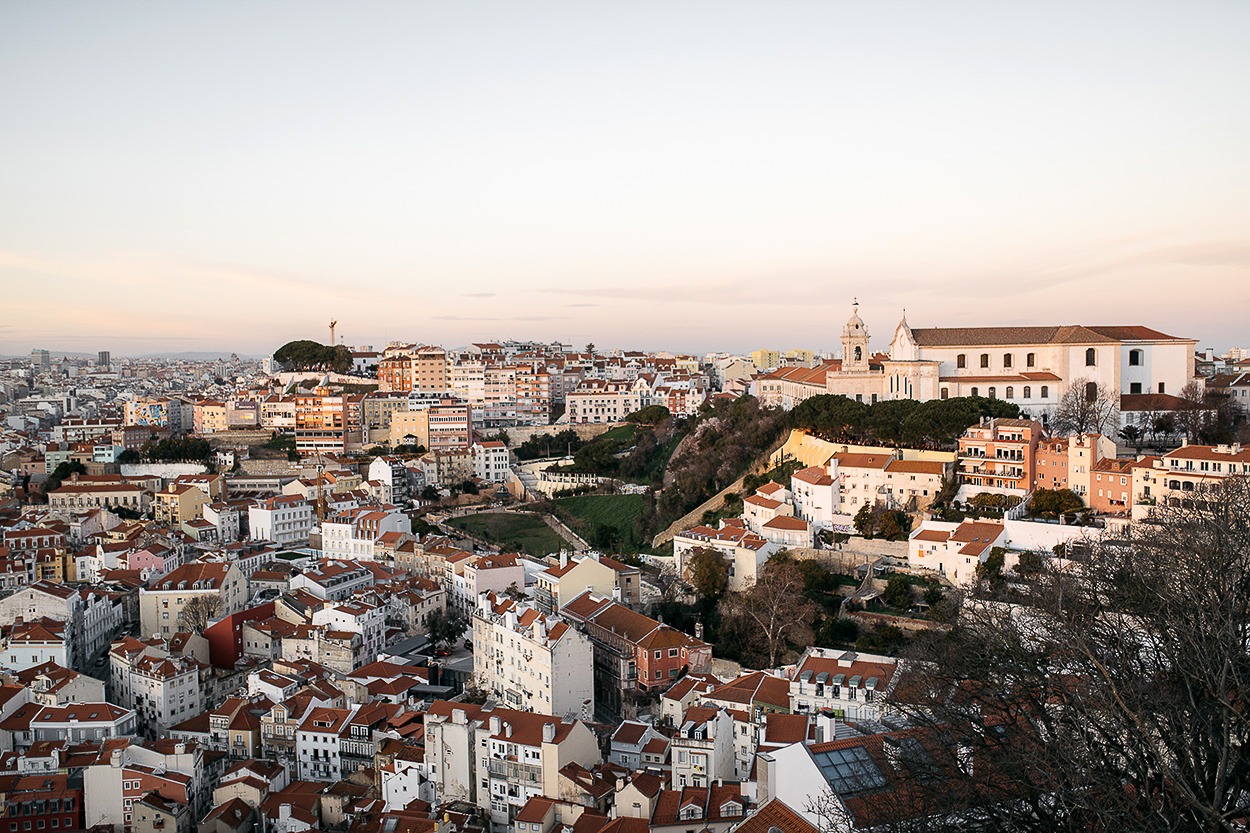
776,815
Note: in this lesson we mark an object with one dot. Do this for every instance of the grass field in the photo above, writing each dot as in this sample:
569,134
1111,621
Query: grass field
512,531
605,521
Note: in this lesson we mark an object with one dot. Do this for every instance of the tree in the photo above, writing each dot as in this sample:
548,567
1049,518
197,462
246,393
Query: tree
897,592
775,609
445,628
198,612
128,455
1053,503
1134,436
650,415
865,521
1113,695
1086,407
708,573
61,473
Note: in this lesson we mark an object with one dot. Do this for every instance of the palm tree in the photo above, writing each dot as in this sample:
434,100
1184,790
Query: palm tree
1134,436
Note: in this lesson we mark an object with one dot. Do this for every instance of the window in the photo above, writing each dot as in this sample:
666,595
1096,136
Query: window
1134,387
993,393
945,393
1006,360
985,360
961,360
1045,391
1091,357
1161,388
859,354
1030,360
1091,391
1134,358
1011,392
1028,392
974,392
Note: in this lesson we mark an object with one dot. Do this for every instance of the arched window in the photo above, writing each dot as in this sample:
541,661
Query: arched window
985,360
1091,391
945,393
1091,357
1045,391
993,393
1134,358
961,360
1030,360
1028,392
1006,360
1011,393
859,354
974,392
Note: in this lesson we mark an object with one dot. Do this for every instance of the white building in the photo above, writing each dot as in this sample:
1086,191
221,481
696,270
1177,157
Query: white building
222,587
356,617
354,534
491,461
285,520
332,579
849,685
317,744
162,689
393,475
531,661
1029,366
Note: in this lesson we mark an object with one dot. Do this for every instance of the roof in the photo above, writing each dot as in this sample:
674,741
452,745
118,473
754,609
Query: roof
776,815
1024,336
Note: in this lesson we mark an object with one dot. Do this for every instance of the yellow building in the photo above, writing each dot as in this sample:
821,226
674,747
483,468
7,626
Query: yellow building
177,504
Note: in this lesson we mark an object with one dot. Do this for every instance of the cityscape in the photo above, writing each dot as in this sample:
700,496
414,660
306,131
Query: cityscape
787,418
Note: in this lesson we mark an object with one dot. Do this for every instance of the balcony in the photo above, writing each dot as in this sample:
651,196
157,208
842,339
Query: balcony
514,771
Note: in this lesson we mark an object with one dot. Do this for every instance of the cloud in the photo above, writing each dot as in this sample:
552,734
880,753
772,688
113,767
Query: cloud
501,318
477,295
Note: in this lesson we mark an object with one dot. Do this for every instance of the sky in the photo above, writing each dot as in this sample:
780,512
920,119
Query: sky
678,175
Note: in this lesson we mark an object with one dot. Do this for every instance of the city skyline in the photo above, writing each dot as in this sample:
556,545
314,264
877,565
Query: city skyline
644,176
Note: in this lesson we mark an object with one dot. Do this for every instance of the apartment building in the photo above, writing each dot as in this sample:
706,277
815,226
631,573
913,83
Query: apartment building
1070,462
632,652
1179,477
500,759
286,520
999,456
531,661
354,534
468,578
320,423
848,684
744,551
491,461
702,749
560,584
333,580
216,586
603,400
162,688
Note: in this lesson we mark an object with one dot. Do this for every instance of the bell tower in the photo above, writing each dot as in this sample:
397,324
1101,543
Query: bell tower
854,342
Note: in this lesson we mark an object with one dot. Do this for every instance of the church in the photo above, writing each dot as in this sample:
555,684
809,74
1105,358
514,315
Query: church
1029,366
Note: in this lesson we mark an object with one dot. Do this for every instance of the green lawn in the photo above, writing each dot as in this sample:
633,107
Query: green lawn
512,531
605,521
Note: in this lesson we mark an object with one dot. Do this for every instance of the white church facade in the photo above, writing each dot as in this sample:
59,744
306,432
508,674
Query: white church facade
1028,366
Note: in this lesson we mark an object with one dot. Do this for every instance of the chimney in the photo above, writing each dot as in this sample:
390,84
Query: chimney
549,733
826,726
507,730
180,748
460,717
495,724
115,759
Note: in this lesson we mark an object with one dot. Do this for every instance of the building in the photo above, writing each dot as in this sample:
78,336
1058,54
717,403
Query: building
999,456
744,551
1179,477
1071,462
558,585
491,461
531,661
702,749
286,520
632,652
320,423
213,590
1029,366
846,684
162,688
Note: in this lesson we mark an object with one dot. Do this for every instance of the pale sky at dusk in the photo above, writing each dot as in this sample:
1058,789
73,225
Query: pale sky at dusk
679,175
